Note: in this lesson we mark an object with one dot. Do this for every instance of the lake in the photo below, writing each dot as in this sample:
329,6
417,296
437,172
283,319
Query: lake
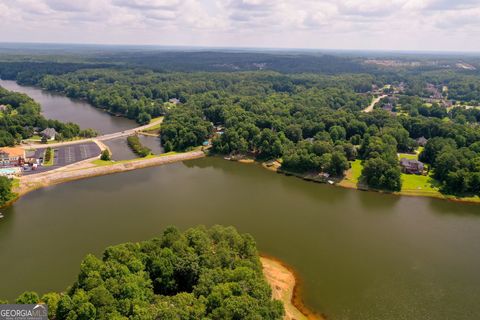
360,255
58,107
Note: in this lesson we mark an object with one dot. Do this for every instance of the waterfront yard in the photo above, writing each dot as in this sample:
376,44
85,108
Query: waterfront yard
352,175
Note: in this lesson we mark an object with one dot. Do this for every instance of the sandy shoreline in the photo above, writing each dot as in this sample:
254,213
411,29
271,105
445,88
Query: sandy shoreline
285,287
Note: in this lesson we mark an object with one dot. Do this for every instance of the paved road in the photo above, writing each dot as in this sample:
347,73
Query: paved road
67,154
127,133
105,137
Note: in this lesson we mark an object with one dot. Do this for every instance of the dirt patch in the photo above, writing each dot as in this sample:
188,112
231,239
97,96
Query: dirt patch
285,288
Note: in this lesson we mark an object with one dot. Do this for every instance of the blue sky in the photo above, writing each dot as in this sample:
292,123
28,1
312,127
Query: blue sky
440,25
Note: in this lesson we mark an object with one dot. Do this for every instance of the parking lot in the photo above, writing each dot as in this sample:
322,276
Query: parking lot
65,155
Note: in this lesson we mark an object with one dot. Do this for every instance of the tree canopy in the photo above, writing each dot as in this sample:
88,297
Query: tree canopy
199,274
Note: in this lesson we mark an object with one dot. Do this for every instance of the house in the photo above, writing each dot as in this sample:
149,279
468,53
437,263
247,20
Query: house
411,166
31,157
49,133
174,101
11,157
388,107
422,141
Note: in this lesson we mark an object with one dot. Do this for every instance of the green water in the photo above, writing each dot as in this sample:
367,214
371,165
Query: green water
360,255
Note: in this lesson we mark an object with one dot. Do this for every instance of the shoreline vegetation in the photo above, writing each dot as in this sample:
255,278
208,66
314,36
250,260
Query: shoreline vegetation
350,181
95,167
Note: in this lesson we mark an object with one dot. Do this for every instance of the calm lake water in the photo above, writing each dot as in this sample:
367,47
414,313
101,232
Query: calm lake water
58,107
361,255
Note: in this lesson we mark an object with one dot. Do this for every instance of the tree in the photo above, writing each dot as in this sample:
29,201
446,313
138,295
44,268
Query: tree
28,297
144,118
198,274
6,193
338,164
51,300
337,133
105,156
380,174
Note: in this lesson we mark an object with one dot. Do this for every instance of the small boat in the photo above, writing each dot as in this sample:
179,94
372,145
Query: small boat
1,216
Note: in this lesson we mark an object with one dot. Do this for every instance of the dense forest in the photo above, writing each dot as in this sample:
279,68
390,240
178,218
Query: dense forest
301,109
199,274
20,118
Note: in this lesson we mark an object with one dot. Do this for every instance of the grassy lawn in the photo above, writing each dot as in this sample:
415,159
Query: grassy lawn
15,183
418,184
101,163
352,175
412,156
153,128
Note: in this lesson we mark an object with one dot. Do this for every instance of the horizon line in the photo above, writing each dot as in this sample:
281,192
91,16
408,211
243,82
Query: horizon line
250,48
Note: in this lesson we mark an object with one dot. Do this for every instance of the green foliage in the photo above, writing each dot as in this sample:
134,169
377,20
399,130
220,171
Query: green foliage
143,118
199,274
28,297
105,156
51,300
380,167
6,193
88,133
272,115
184,128
18,125
458,169
137,147
48,154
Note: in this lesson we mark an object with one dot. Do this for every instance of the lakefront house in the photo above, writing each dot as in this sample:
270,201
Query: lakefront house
412,166
49,133
10,156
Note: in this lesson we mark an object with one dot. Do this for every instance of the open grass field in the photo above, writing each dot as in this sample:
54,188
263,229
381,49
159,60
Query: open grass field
419,185
411,156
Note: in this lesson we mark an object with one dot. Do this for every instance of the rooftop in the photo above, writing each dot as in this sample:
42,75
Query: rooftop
12,151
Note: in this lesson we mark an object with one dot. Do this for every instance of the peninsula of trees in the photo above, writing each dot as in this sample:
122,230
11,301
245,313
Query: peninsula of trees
199,274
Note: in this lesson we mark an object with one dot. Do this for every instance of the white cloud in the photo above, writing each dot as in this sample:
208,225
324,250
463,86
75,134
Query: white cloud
357,24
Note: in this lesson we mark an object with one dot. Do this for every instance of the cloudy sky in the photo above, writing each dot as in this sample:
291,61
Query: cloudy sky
452,25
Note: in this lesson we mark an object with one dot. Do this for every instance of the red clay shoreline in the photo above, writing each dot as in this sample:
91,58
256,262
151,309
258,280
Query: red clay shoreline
296,300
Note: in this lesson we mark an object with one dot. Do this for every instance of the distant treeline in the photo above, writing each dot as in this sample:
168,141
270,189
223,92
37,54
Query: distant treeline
218,61
30,73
